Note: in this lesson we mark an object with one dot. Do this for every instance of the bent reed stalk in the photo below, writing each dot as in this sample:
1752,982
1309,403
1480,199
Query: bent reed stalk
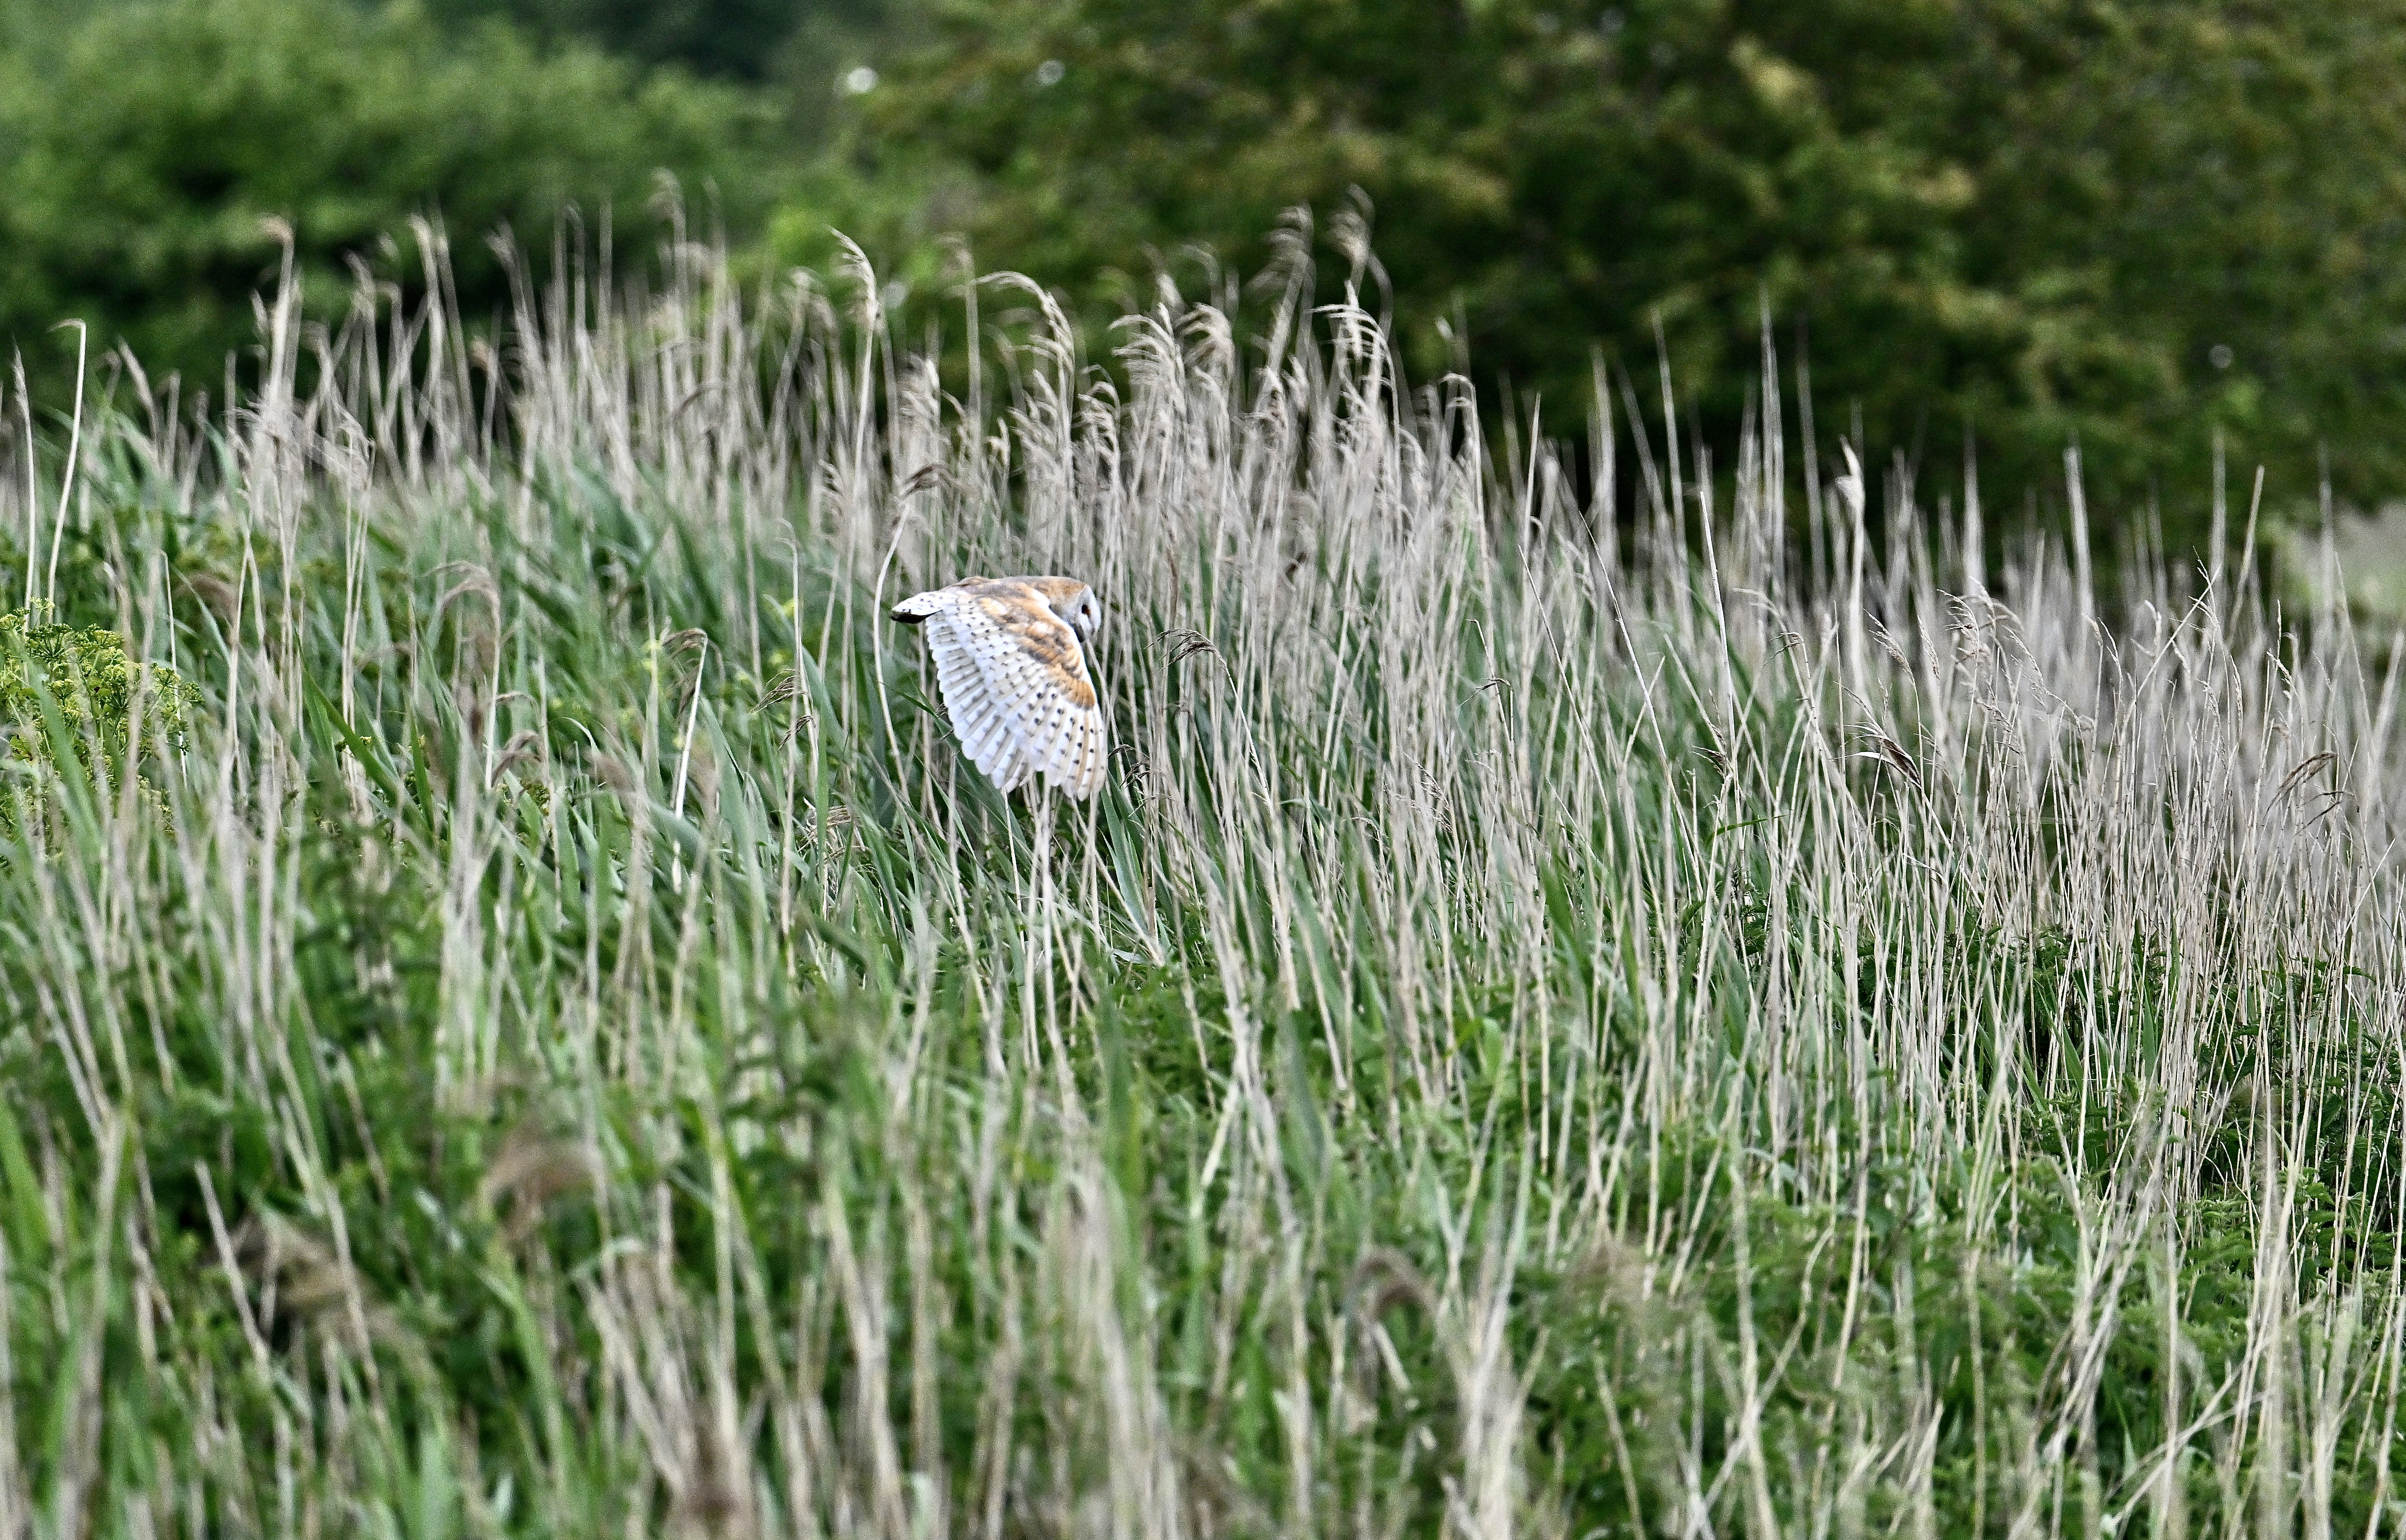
1708,1017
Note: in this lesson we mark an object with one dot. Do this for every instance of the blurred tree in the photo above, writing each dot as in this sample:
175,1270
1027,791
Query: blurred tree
740,38
2134,222
806,52
145,149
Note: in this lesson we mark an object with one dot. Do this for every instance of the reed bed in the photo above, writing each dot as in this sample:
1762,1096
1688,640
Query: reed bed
1700,1009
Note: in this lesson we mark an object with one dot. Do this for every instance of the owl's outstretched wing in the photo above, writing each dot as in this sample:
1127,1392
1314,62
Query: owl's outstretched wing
1014,681
976,719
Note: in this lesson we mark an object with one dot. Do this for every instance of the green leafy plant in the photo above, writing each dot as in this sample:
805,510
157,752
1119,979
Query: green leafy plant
72,697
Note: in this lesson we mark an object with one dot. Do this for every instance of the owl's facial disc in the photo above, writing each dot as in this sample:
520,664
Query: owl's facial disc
1085,615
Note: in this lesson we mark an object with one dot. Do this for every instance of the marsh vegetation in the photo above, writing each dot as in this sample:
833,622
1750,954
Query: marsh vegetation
1706,1008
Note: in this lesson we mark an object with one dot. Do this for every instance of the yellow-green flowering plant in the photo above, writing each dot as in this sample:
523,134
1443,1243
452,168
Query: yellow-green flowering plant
74,688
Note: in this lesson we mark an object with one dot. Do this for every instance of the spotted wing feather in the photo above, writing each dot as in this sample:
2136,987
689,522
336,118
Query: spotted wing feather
920,608
978,720
1015,683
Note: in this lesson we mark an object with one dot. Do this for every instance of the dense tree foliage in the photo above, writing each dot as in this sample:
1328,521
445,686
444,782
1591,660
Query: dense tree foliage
2134,223
799,49
737,38
146,148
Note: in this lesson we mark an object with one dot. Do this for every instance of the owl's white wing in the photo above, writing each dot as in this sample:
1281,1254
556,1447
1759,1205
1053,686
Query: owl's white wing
977,719
1015,682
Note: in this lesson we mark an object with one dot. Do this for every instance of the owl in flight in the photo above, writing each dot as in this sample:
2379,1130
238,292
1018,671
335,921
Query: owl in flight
1011,660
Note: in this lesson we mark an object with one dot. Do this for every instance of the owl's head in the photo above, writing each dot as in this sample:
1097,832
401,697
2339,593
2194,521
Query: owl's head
1075,603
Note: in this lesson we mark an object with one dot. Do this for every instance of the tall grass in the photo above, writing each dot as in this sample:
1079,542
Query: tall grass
1712,1016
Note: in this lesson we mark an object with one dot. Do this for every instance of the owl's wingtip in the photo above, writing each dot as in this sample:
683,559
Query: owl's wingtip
1078,786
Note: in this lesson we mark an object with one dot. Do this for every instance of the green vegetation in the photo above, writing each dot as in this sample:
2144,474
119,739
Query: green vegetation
2034,219
801,50
155,153
1539,1036
736,37
74,704
2139,227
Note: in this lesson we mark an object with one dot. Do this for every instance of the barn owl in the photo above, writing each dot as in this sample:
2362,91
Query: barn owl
1011,660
